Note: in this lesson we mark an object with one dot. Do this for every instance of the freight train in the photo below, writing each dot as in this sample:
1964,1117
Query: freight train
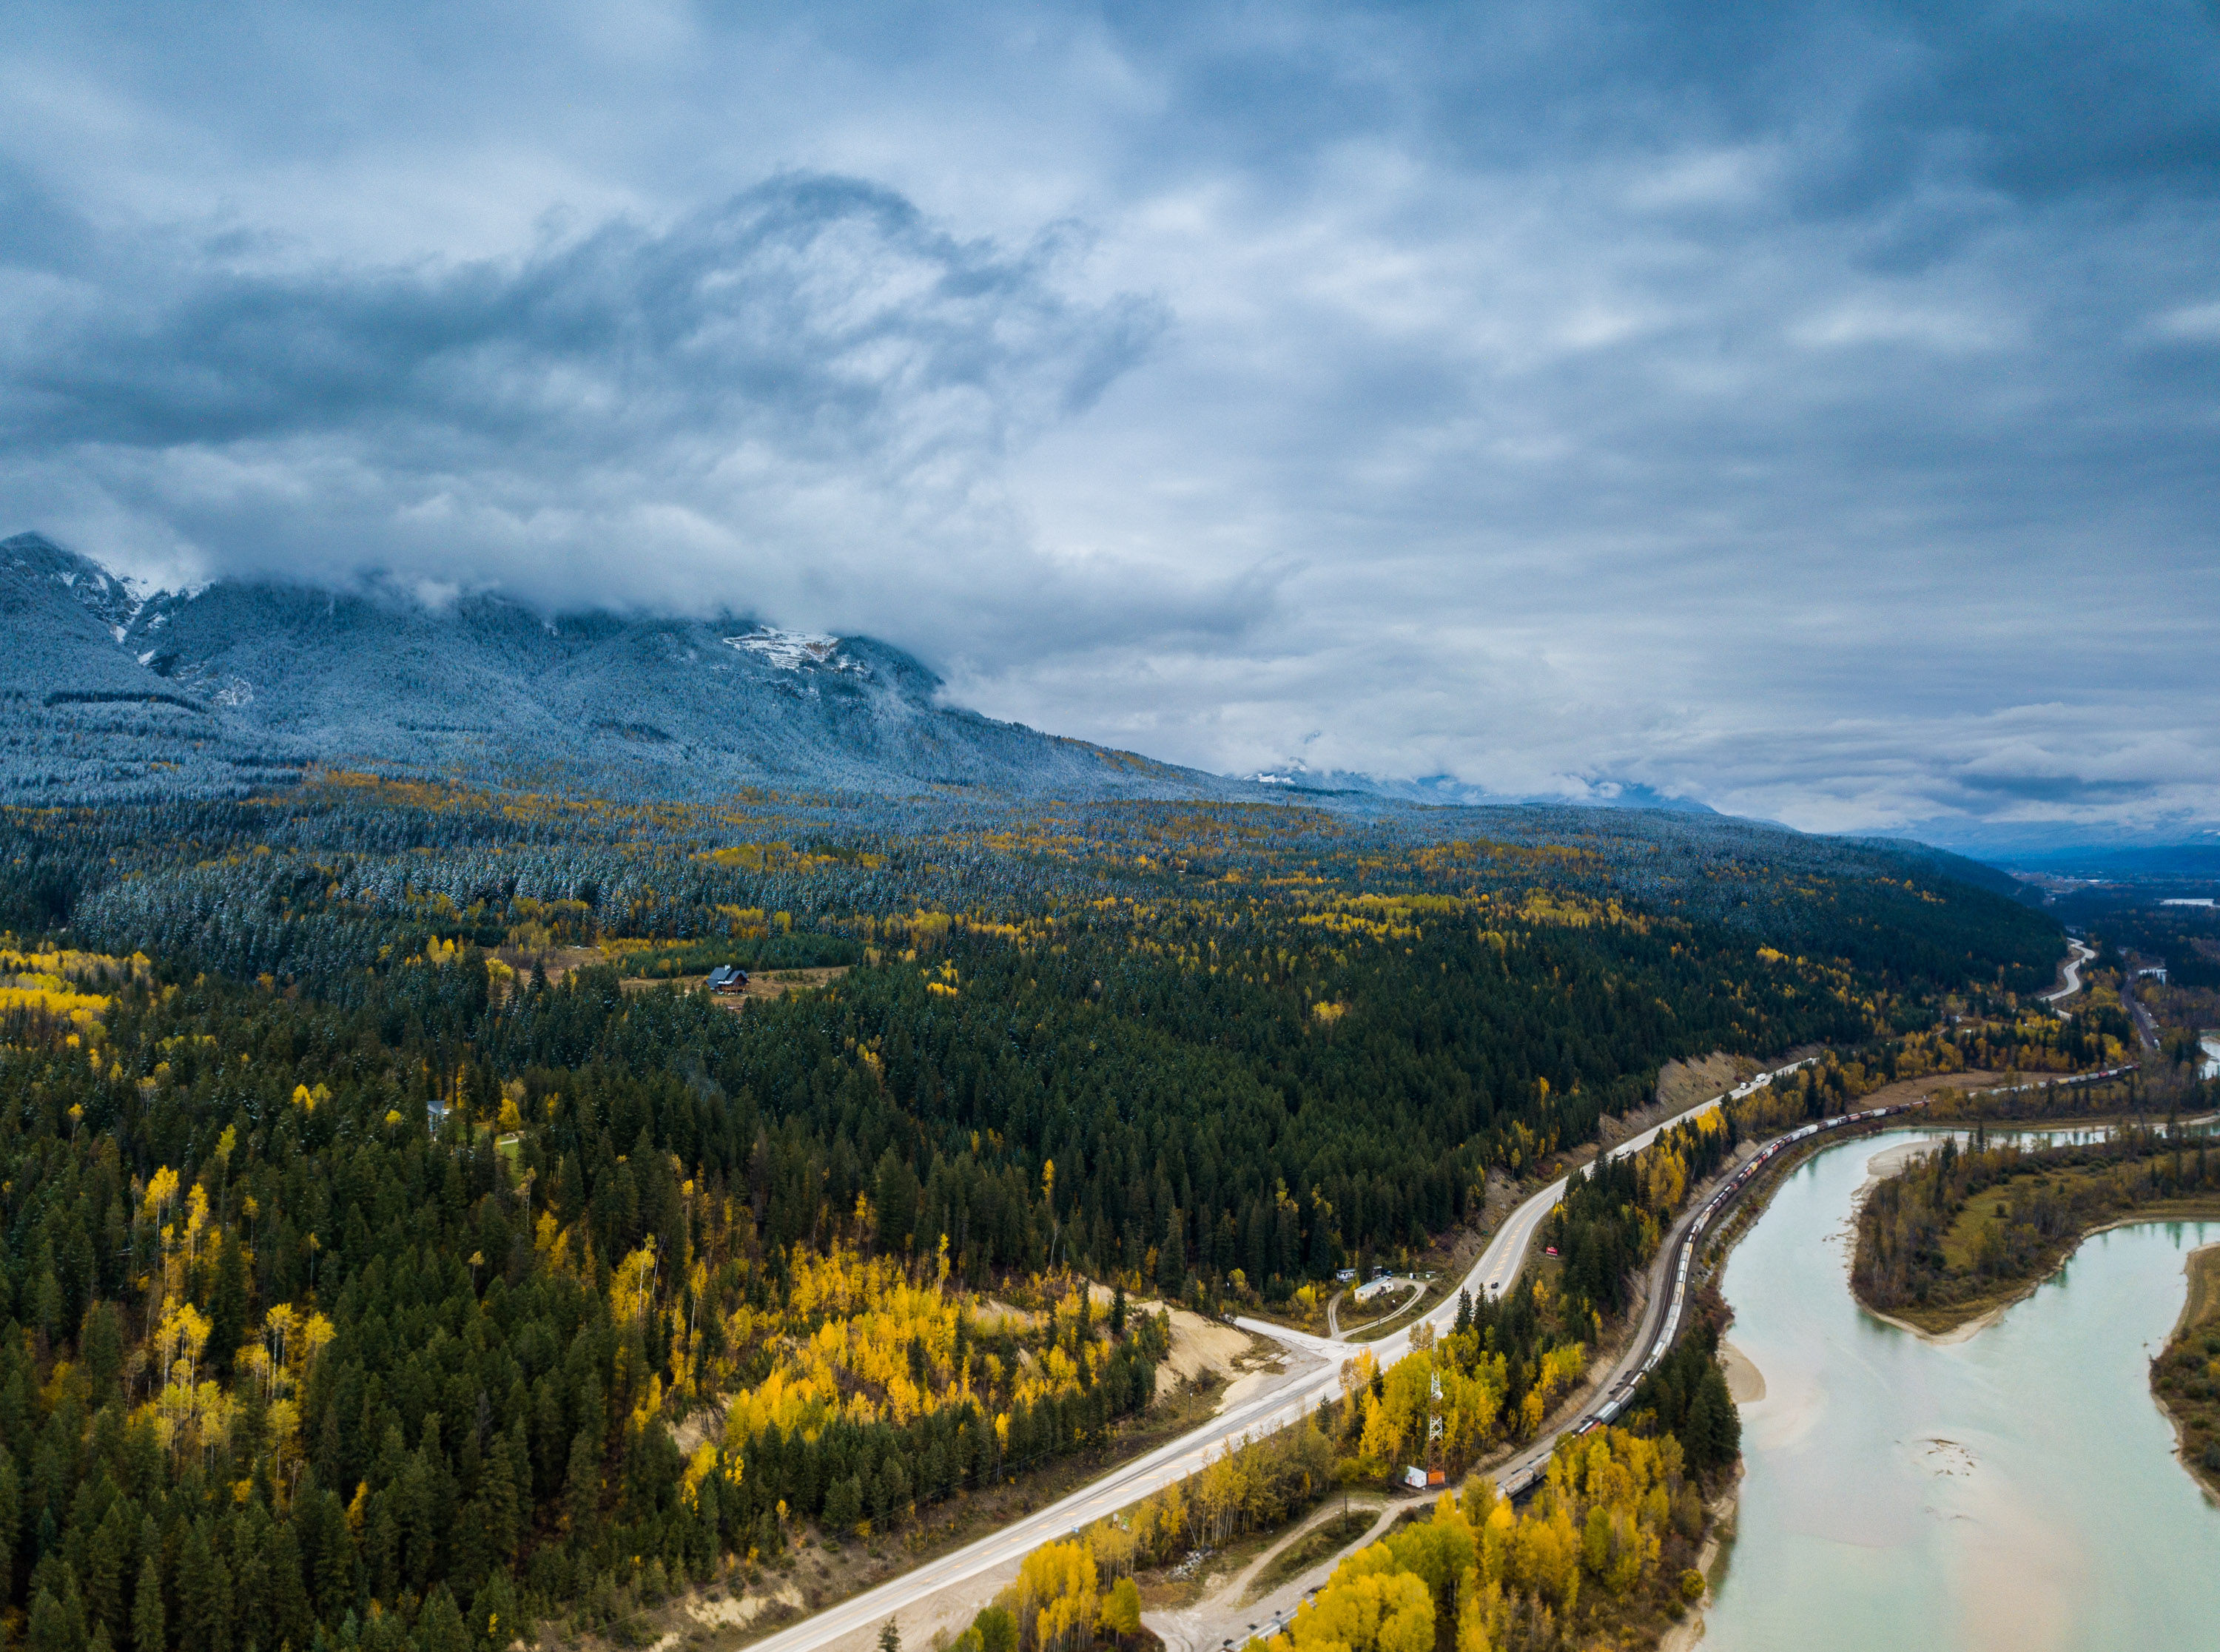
1522,1481
1525,1480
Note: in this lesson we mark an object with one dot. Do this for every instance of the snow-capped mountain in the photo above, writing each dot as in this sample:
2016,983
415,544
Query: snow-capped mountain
113,692
1587,791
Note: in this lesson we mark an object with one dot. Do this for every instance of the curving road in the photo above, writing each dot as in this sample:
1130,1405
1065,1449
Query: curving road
1312,1376
2077,954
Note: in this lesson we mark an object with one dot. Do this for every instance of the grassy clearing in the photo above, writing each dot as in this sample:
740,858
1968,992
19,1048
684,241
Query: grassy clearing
1985,1212
1429,1294
1173,1588
1315,1547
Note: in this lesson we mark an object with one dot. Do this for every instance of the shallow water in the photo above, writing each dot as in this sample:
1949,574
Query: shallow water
2016,1490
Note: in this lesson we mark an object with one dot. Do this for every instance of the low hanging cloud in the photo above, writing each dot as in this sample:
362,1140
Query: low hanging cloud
756,404
1806,410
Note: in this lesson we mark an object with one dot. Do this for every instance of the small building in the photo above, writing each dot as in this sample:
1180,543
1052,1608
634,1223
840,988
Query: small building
1346,1275
728,978
2152,972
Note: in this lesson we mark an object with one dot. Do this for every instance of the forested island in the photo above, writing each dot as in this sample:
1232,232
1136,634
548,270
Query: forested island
1961,1233
404,1249
1954,1237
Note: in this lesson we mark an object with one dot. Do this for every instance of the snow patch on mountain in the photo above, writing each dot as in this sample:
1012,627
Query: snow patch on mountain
793,651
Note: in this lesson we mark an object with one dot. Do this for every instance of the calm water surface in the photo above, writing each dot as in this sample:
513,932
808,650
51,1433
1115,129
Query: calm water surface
2016,1490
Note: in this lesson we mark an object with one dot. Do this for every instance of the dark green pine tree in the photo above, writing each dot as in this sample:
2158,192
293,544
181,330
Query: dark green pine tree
332,1557
46,1630
147,1631
1171,1258
103,1571
102,1346
496,1505
291,1619
439,1626
1713,1434
582,1488
199,1599
12,1518
227,1307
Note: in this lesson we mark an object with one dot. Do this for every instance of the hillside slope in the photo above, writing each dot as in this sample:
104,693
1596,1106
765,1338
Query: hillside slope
220,689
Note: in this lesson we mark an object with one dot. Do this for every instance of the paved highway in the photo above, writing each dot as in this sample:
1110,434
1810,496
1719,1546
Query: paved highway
1313,1376
2077,954
1192,1632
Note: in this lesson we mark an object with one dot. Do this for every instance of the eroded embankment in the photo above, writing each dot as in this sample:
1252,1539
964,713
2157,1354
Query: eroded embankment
2185,1376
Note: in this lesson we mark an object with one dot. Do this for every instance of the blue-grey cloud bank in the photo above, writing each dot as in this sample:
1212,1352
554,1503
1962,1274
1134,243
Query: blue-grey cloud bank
1810,409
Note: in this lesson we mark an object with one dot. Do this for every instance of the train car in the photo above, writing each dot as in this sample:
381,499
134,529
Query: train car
1621,1395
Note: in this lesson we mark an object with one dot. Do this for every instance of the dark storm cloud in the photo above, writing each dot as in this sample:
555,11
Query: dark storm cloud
1809,408
683,392
816,311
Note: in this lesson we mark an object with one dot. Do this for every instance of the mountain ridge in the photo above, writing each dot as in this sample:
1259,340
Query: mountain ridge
220,688
1447,790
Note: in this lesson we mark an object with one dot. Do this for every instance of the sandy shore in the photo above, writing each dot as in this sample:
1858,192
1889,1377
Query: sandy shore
1887,1163
2206,1479
1958,1333
2189,1302
1745,1382
1684,1635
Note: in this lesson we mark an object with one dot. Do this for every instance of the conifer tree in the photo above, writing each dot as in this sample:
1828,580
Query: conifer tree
147,1633
291,1617
102,1346
198,1604
496,1508
1171,1258
439,1626
11,1518
227,1307
49,1628
582,1488
103,1571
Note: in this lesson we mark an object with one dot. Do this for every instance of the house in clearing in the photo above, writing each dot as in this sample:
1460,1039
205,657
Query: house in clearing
728,978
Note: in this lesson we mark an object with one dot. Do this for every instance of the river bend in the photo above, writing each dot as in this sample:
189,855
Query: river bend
2015,1490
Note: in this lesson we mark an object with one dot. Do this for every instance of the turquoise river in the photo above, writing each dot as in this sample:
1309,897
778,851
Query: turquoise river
2016,1489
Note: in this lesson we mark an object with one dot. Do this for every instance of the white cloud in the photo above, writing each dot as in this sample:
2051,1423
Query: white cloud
1555,395
2199,321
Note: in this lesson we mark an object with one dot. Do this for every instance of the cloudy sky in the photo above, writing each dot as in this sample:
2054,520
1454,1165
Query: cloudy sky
1806,408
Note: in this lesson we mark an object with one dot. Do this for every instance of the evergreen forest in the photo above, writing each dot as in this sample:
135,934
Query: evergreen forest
403,1248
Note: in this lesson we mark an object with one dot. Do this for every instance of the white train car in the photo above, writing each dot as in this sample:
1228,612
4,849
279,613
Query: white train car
1621,1393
